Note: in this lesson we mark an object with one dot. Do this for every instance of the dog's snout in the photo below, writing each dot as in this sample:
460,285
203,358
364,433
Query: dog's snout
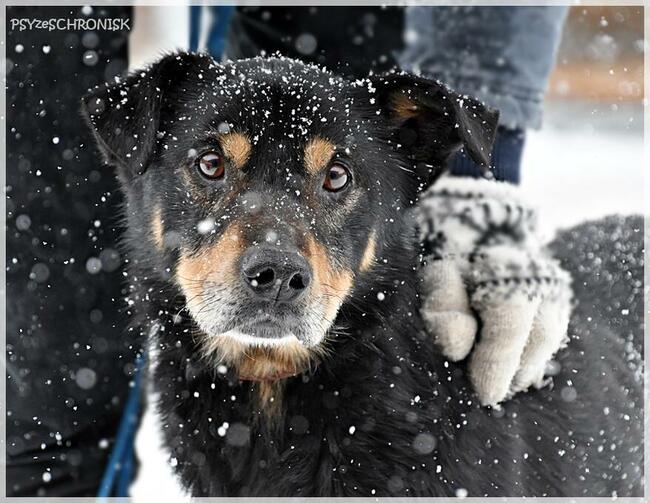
276,275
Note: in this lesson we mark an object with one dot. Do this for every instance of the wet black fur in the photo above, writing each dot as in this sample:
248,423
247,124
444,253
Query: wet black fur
418,430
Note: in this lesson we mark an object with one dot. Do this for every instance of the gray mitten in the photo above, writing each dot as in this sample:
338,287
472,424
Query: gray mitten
484,260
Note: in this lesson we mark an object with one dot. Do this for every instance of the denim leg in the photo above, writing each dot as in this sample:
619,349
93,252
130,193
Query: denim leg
501,55
506,158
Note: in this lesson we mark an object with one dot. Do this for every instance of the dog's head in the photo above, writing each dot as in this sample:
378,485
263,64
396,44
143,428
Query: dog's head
271,188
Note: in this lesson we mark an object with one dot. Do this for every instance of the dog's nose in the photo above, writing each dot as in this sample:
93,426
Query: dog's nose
276,275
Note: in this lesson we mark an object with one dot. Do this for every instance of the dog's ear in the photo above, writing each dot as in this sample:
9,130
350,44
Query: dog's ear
431,122
125,117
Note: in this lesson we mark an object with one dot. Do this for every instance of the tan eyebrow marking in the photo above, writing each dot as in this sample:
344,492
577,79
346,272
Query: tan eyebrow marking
237,147
318,153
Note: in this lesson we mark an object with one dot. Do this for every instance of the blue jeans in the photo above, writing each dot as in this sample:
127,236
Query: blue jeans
501,55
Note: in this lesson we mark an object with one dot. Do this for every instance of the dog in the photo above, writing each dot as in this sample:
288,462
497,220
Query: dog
272,265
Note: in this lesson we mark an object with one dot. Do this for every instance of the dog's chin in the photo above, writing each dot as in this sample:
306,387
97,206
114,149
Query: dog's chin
262,351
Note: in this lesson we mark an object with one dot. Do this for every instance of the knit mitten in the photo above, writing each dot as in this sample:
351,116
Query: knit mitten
485,269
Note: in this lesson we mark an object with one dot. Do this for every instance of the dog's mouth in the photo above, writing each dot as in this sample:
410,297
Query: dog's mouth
265,331
269,327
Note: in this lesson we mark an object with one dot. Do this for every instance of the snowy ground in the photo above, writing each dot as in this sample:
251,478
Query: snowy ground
586,162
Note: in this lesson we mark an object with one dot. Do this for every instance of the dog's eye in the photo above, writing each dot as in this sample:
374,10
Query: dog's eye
211,165
337,178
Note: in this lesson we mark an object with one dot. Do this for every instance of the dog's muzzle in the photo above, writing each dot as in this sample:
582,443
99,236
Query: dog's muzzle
275,276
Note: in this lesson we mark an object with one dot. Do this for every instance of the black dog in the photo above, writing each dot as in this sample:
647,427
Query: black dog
273,267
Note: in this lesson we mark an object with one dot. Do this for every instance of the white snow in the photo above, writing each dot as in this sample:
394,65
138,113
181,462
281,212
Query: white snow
583,165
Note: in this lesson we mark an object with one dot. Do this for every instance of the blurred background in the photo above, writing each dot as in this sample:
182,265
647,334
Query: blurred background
587,160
